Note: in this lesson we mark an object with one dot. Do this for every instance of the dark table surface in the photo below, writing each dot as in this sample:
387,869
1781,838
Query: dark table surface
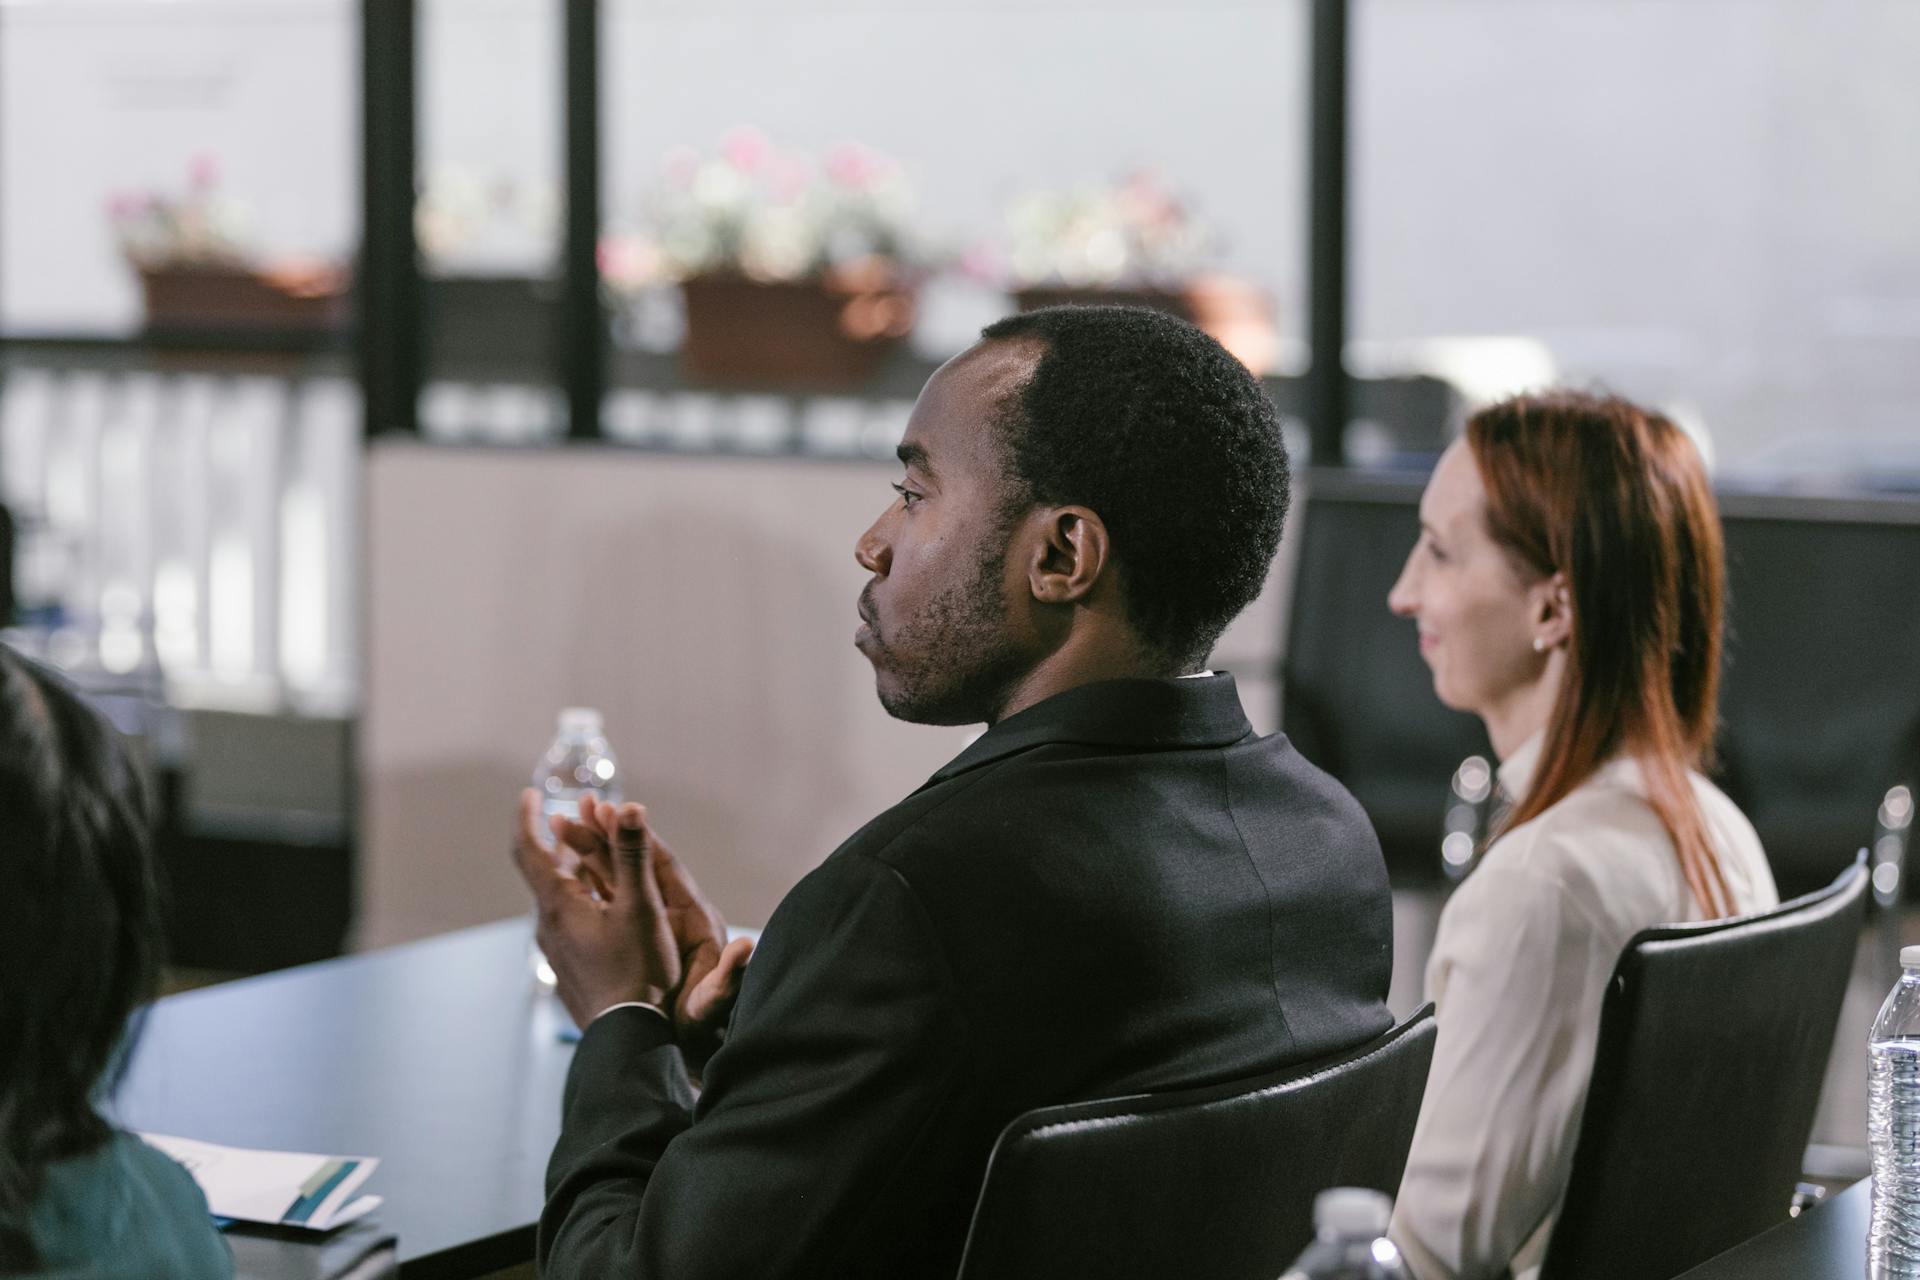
1827,1242
441,1058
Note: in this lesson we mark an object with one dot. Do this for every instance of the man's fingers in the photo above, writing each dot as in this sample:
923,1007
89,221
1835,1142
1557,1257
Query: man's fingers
582,839
713,993
596,871
529,854
645,873
595,876
733,958
592,808
679,890
633,869
713,969
626,829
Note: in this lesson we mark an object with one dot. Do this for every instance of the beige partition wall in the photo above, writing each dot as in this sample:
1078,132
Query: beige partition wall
705,604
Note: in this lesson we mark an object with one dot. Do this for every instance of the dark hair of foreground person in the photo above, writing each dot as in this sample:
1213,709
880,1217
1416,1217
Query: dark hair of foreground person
79,931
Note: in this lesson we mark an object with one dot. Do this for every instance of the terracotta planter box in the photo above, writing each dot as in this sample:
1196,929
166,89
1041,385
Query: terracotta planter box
1238,315
202,297
815,334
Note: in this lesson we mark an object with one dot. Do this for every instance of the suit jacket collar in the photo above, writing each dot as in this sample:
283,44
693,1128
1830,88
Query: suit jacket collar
1166,714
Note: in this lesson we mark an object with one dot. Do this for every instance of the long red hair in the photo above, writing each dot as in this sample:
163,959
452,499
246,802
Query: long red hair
1616,498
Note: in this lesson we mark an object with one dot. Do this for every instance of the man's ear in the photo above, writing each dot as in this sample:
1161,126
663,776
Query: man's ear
1072,552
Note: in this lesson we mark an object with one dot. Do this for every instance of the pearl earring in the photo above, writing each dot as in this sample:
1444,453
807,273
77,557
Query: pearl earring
1539,645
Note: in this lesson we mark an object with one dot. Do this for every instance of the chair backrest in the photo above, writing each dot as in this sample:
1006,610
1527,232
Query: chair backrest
1714,1039
1819,707
1215,1183
1356,697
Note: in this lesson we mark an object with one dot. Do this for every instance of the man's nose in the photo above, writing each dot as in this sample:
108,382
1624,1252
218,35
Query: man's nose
873,551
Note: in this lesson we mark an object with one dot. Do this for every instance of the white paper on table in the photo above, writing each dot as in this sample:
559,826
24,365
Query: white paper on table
277,1187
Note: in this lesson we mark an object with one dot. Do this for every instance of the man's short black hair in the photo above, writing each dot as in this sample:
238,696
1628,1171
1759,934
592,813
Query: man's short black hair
1151,423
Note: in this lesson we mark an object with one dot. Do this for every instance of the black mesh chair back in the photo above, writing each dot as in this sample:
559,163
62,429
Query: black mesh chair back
1713,1043
1356,697
1214,1183
1819,703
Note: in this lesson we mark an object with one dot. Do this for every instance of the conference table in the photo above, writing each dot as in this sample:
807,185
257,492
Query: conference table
442,1058
1827,1242
446,1061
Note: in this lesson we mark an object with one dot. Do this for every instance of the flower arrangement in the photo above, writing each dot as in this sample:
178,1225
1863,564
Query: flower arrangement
484,223
791,270
1135,243
198,270
1134,233
767,214
198,227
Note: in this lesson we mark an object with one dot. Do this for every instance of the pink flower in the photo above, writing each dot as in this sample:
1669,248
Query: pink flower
1145,201
854,166
981,262
203,171
745,149
617,259
124,204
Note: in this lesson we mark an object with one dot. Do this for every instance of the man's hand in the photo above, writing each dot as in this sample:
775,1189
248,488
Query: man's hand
710,965
607,935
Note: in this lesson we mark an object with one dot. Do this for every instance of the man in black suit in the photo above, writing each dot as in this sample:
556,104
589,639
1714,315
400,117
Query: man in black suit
1118,887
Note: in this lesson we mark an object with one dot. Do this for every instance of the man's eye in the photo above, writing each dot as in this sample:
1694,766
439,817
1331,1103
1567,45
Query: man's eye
907,496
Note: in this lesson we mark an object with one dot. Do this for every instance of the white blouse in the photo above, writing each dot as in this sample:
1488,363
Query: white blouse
1521,959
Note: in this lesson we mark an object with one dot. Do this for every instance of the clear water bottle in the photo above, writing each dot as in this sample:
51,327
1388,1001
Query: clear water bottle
576,763
1893,1126
1350,1239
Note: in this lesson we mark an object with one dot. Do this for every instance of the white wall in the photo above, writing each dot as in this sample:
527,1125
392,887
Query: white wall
105,96
1711,204
705,605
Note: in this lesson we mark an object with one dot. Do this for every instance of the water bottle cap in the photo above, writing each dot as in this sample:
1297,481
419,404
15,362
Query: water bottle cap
1352,1211
1910,957
579,720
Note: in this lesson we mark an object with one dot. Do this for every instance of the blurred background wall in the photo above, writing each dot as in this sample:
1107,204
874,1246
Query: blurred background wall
1705,205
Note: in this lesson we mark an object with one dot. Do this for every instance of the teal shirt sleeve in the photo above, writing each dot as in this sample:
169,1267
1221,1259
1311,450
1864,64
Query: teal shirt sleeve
125,1212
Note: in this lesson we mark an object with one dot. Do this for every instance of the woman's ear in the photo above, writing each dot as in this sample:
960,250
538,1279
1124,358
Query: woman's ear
1553,619
1072,553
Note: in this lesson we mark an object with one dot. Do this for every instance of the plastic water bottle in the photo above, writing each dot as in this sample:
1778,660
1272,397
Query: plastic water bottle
578,762
1893,1126
1350,1239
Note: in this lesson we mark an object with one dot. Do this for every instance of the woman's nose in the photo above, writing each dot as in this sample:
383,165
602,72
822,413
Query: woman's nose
1403,599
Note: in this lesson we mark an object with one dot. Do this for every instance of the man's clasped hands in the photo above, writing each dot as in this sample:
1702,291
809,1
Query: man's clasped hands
628,924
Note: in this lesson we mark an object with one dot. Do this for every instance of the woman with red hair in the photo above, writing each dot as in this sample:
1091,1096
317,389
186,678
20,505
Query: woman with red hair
1567,589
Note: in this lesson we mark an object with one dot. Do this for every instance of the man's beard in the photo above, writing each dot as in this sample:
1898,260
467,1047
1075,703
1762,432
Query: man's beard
955,662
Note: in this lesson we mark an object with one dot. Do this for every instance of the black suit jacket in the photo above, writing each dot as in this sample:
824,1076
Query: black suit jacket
1122,888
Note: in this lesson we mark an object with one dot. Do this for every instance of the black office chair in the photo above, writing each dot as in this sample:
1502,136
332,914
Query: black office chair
1713,1042
1356,698
1820,709
1214,1183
